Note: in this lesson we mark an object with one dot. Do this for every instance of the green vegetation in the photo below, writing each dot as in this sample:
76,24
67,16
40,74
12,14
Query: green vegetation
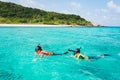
17,14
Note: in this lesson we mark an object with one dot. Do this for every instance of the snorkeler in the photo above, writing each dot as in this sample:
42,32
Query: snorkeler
78,55
41,53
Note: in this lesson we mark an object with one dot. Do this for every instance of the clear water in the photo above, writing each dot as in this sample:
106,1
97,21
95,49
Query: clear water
17,53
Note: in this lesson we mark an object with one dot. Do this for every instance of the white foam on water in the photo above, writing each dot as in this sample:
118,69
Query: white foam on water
118,54
35,59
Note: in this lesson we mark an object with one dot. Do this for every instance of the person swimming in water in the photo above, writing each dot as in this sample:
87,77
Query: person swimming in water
77,54
41,53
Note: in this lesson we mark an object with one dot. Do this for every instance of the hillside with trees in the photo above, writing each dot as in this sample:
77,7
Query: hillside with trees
11,13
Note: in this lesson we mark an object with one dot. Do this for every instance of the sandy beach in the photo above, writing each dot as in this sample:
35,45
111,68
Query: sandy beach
32,25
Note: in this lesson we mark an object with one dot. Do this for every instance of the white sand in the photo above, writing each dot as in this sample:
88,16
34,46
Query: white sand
33,25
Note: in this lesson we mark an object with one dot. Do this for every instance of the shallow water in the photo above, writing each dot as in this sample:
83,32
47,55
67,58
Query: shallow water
17,53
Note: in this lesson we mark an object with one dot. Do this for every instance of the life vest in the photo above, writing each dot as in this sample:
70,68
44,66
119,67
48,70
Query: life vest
80,56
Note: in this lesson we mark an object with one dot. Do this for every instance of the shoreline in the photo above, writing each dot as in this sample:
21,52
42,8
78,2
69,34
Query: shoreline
46,25
34,25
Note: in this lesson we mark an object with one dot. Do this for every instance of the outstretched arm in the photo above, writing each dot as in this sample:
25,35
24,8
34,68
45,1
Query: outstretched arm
47,53
69,51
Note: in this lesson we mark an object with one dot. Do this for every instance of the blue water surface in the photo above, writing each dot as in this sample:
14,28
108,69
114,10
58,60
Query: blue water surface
17,46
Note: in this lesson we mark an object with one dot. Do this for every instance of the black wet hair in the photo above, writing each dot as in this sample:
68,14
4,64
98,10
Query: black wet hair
78,50
38,48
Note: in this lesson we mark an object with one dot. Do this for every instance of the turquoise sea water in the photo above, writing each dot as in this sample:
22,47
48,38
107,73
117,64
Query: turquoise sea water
17,53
